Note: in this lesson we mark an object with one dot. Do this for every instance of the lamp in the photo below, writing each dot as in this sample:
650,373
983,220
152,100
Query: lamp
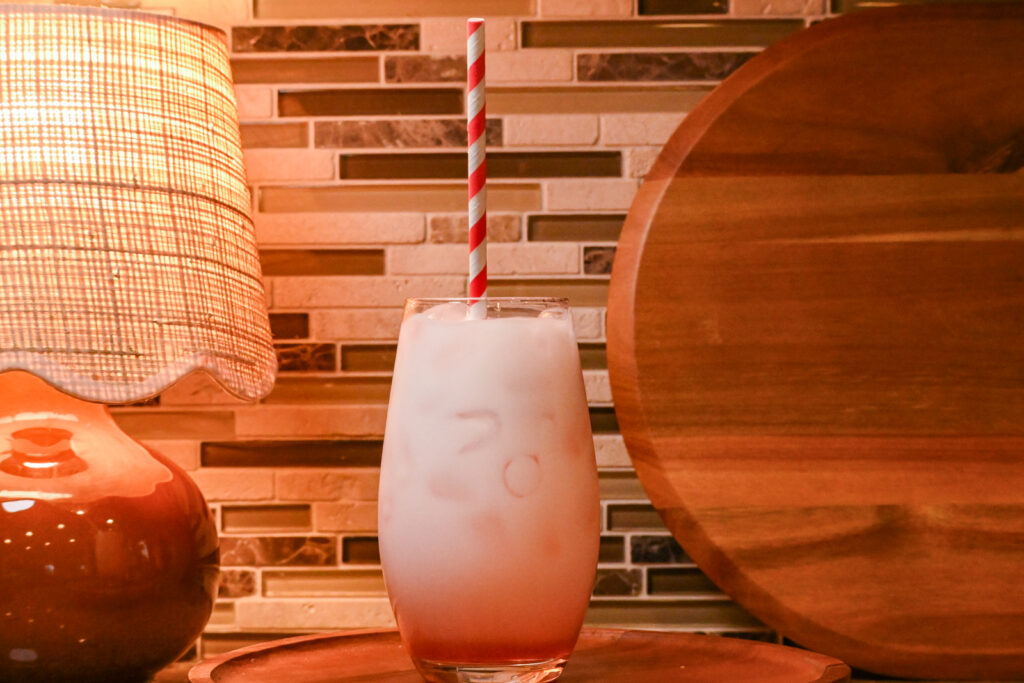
127,260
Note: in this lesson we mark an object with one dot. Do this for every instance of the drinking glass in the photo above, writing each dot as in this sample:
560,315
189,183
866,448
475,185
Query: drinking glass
489,506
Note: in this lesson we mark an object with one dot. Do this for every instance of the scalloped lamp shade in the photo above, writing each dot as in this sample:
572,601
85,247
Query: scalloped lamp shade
127,259
128,252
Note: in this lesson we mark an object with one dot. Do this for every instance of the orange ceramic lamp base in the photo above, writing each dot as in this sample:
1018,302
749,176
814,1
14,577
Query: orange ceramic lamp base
108,552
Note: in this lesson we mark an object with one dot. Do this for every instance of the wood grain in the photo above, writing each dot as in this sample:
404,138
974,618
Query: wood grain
606,655
815,339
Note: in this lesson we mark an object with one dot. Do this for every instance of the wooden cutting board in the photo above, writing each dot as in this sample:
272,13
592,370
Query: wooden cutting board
816,338
605,655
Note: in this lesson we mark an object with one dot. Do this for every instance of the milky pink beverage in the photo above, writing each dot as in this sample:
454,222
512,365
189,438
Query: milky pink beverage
489,512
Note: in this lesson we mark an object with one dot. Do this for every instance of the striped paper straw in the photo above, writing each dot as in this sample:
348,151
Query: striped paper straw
477,123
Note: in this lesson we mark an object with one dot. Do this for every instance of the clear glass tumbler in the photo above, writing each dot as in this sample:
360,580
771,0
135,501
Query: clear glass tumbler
489,505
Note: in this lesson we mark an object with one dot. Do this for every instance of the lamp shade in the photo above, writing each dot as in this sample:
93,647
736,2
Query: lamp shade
127,249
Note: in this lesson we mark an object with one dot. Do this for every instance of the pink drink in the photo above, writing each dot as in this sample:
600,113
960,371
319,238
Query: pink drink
489,512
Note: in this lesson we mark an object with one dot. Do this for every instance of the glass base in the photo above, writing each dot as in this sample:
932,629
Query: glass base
522,672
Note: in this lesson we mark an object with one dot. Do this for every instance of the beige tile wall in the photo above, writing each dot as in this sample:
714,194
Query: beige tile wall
351,115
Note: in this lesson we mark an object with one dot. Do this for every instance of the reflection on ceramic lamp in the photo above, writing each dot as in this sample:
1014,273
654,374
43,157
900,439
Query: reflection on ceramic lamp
128,260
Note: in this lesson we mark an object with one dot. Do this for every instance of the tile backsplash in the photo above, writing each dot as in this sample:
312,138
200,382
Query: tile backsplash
352,123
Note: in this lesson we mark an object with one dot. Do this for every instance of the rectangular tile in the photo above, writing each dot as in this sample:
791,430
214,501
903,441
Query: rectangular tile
236,583
655,33
360,550
612,549
579,292
400,133
499,165
169,424
502,259
230,484
328,9
621,486
667,66
362,291
320,421
598,260
259,135
551,130
395,198
654,7
603,421
321,583
455,228
367,357
278,551
575,228
773,8
290,70
618,582
322,261
325,38
594,99
370,102
633,517
576,194
274,518
425,68
289,325
223,615
356,323
354,390
593,356
323,229
681,581
703,616
335,484
314,614
292,453
649,549
309,357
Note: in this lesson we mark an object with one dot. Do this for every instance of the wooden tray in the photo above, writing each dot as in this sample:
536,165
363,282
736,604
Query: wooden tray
609,656
816,338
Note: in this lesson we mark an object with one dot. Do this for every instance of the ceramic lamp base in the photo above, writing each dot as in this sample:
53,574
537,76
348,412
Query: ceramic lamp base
108,551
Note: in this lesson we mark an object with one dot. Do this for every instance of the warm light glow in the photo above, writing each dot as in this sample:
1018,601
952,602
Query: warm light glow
130,255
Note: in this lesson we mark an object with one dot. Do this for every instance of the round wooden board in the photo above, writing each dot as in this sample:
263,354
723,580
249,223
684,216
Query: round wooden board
816,338
609,656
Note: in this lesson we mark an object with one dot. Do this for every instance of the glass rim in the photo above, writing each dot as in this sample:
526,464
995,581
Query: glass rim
497,299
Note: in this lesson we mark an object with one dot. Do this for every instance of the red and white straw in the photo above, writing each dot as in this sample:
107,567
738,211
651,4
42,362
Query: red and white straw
477,123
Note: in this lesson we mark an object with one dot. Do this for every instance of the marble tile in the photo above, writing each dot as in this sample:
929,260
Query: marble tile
424,68
400,133
305,357
278,551
236,583
598,260
618,582
651,66
325,38
455,228
657,550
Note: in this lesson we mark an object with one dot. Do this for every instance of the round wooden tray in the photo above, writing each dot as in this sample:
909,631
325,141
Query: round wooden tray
606,655
815,338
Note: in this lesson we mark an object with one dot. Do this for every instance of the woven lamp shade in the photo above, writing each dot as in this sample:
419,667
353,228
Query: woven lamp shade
127,250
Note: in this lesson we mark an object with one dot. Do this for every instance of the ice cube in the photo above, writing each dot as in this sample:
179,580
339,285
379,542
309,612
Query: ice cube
453,311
